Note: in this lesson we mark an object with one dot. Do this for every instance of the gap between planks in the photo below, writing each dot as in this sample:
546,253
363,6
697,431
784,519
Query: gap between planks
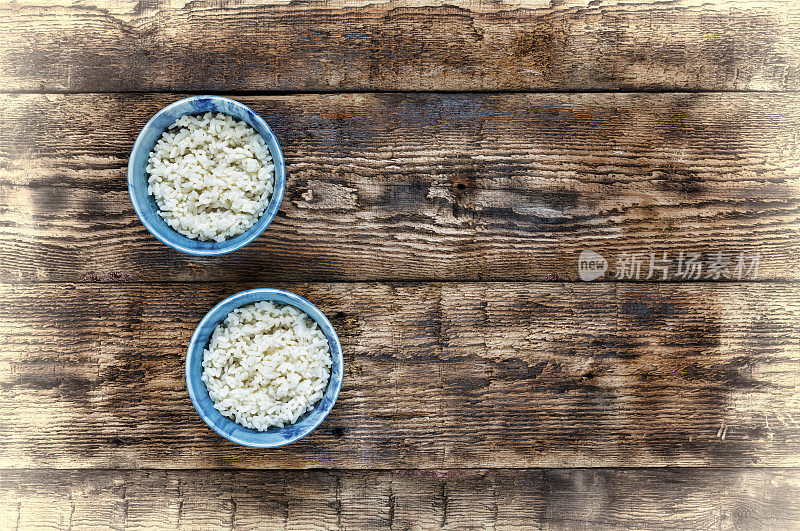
403,281
258,93
678,467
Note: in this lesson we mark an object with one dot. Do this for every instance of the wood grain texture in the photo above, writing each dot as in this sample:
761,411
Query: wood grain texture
406,45
401,499
436,376
423,186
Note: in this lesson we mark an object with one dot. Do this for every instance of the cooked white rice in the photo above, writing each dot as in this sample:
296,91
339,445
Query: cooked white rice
266,365
211,176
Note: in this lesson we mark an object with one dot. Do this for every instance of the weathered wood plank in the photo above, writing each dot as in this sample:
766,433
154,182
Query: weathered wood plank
423,186
436,376
407,45
402,499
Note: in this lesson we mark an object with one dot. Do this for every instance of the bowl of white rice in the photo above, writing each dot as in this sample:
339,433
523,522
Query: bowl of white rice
264,368
206,175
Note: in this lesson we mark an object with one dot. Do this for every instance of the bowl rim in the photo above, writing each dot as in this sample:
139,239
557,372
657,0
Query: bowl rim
297,302
276,193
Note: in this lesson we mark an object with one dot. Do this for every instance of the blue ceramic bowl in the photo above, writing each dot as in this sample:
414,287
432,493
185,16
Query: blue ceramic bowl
225,426
144,204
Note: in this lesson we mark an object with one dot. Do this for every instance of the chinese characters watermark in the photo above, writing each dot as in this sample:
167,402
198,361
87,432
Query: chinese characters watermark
660,266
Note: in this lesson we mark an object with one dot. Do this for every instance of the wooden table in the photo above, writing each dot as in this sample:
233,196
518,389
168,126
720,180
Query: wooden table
446,164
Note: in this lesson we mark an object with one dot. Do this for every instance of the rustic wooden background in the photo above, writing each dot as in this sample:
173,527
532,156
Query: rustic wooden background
446,163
